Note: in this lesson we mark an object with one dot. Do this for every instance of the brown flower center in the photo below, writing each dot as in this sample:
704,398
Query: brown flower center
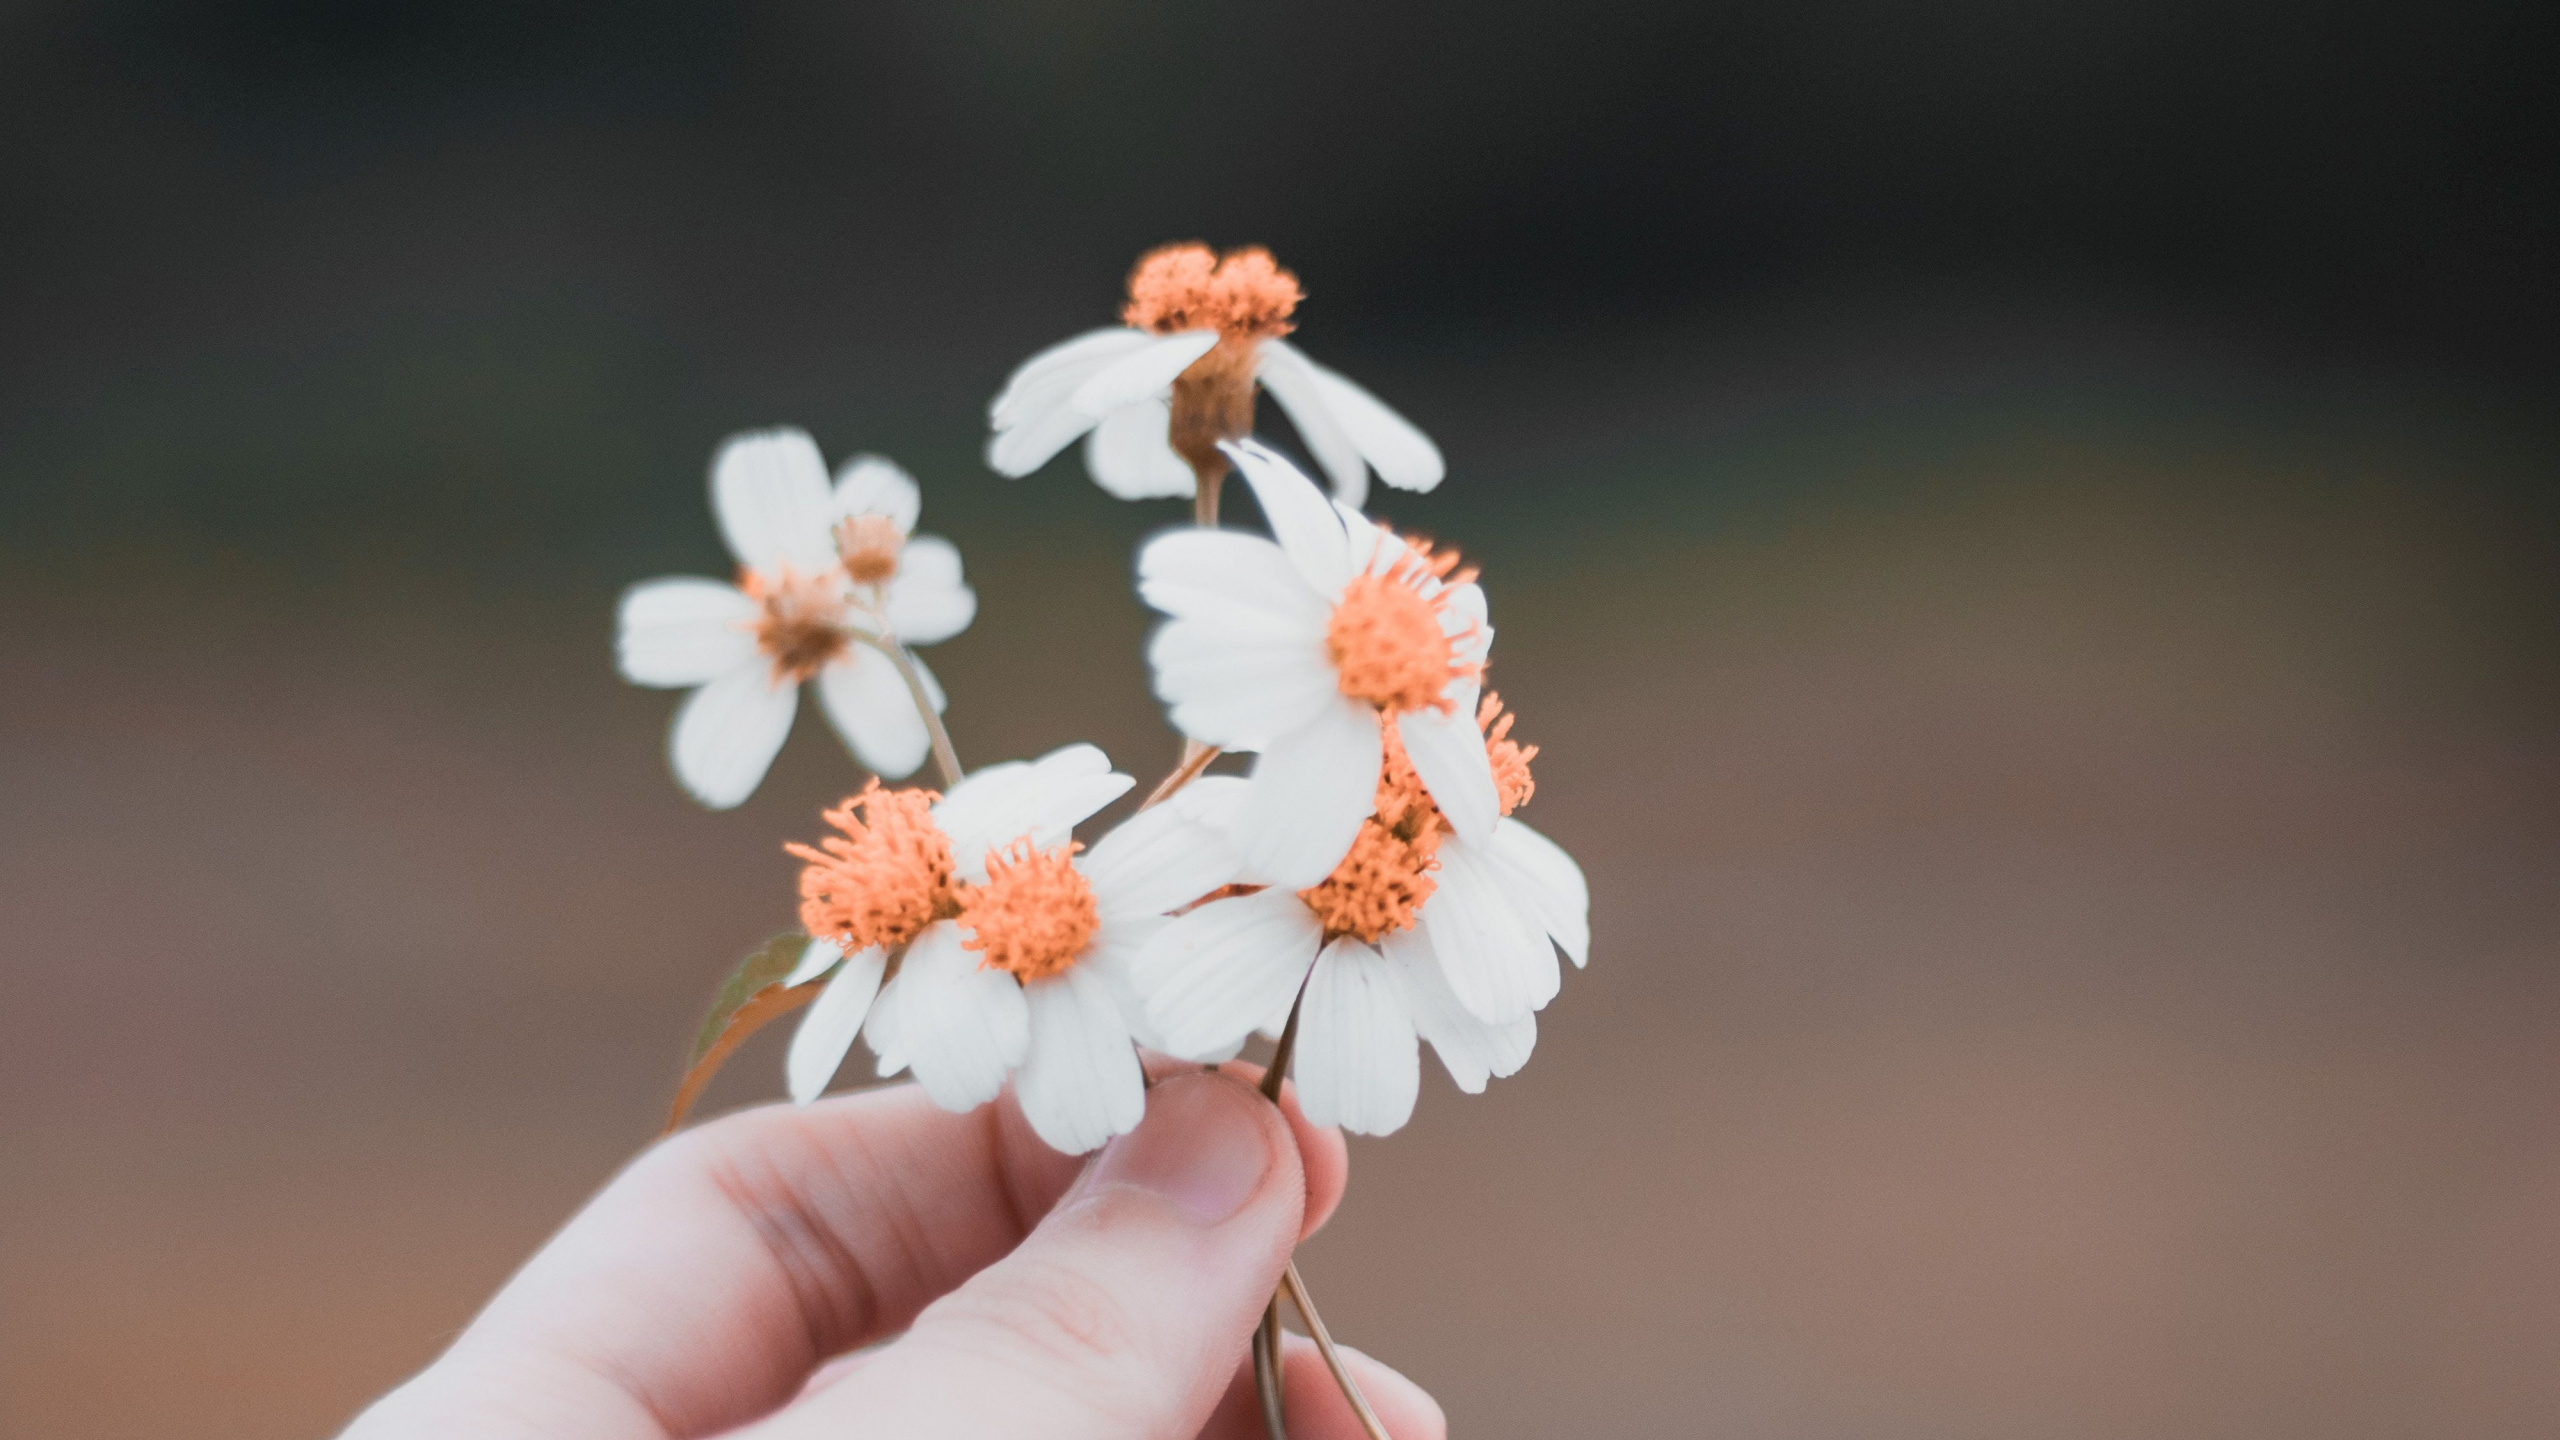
800,623
1247,298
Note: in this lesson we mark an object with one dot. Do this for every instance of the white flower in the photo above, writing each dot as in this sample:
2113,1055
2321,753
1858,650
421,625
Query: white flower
1466,969
1305,650
1157,394
1022,967
816,563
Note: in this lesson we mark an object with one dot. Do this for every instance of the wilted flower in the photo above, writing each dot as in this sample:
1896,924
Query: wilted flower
979,942
1308,650
820,568
1417,933
1159,392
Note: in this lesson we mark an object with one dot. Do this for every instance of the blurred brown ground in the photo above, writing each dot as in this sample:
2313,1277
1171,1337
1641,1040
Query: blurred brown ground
2078,954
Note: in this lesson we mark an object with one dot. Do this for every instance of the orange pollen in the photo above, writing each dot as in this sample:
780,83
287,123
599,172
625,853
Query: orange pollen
1511,780
1245,295
1034,915
800,627
1379,887
1386,641
869,546
884,879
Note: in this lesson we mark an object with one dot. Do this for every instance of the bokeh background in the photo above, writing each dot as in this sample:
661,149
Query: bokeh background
2027,534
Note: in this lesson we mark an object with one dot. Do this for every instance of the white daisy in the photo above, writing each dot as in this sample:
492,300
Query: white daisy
981,943
1306,650
1158,393
1419,934
817,566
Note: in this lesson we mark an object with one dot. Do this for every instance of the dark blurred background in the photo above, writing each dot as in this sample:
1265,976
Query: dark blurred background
2028,536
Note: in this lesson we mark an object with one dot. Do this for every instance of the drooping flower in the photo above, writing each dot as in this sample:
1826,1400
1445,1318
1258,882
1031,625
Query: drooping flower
1418,934
978,940
819,566
1309,650
1157,393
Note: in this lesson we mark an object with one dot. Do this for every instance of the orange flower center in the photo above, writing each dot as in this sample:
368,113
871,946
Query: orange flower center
1247,298
1187,287
869,546
1380,886
1034,915
1385,637
800,627
884,879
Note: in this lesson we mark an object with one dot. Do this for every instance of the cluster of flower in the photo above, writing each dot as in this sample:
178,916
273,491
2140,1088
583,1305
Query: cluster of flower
1364,889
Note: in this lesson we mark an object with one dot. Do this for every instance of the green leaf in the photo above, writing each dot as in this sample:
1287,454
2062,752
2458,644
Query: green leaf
767,965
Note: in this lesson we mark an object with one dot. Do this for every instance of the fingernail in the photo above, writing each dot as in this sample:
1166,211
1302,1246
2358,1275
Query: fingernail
1201,1147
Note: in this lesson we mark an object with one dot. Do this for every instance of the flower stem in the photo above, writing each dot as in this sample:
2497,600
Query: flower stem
945,759
1195,759
1204,496
1267,1374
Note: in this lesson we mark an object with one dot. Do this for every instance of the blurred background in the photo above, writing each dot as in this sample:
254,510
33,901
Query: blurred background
2027,534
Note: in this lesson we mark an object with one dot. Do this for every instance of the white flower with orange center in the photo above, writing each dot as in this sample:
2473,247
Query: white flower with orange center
826,575
1418,934
1309,650
978,940
1158,393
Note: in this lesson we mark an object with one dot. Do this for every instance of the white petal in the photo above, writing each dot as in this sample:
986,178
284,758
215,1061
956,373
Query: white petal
880,1032
1311,790
1214,800
1447,751
1194,570
683,631
1158,860
1498,967
877,485
1043,382
1142,372
827,1031
1402,455
1357,1064
1302,520
1291,379
1472,1051
874,712
1211,976
928,604
1131,457
961,1027
1079,1084
1238,679
729,731
1042,801
816,959
1547,886
1018,451
769,488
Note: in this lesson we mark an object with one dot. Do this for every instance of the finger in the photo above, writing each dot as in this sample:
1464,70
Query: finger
1123,1315
1320,1148
700,1289
1314,1404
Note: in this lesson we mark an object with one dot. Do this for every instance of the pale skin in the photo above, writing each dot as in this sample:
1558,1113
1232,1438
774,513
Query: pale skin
722,1283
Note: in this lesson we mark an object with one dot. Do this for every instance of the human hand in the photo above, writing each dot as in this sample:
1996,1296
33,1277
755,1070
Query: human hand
721,1281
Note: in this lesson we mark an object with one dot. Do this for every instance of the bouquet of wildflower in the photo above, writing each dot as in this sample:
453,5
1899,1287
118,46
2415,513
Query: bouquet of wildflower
1362,889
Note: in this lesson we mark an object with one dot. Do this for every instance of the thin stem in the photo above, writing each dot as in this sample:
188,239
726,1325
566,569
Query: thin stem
945,758
1195,759
1204,496
1296,1289
1268,1376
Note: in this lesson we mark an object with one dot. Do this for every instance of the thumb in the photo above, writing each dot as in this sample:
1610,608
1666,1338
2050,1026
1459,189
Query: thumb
1123,1315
